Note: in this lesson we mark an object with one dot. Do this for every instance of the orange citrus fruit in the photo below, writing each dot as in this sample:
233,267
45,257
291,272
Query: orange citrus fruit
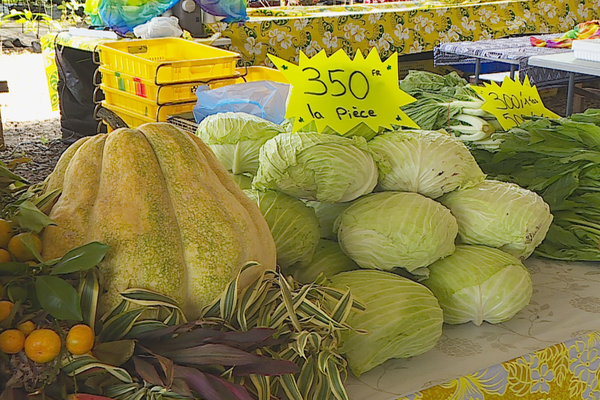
5,309
26,327
80,339
4,256
11,341
42,345
5,233
18,248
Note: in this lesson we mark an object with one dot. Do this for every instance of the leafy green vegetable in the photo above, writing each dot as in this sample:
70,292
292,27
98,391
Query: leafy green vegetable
243,181
294,226
500,214
560,160
402,319
327,213
478,283
447,102
427,162
328,260
315,166
394,229
236,139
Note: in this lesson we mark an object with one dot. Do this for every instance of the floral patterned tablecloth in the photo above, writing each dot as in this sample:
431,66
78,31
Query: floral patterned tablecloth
549,350
404,27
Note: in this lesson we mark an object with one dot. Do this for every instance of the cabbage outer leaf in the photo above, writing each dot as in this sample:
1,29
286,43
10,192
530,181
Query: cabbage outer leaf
327,213
328,260
500,214
402,318
396,229
293,224
479,283
314,166
236,139
427,162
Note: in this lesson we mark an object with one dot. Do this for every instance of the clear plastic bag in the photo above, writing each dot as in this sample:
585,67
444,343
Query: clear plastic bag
159,27
265,99
124,15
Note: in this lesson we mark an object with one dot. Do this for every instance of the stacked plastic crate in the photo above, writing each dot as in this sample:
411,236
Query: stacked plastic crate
148,80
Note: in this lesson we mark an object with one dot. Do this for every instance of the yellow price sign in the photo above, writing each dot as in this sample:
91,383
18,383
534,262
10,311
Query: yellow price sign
511,101
341,93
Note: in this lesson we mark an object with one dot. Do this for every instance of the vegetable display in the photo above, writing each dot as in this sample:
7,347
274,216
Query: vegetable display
478,283
402,318
559,160
448,102
427,162
294,226
236,139
391,230
169,210
293,164
500,214
327,213
328,260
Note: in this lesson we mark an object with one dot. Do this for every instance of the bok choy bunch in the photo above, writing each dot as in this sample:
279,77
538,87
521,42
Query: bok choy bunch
560,160
447,102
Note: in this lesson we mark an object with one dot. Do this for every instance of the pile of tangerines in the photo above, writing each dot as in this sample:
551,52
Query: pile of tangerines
41,345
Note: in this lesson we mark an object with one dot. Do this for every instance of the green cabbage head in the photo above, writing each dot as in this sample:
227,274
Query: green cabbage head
479,283
294,226
327,213
500,214
388,230
236,139
315,166
327,260
402,318
427,162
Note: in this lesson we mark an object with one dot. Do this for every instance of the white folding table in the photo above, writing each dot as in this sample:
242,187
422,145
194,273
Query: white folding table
567,62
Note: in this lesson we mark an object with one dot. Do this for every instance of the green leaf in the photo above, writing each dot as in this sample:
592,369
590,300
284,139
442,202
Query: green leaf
75,365
119,309
89,291
290,387
144,326
58,298
115,353
262,386
31,218
118,326
229,300
13,268
81,258
335,381
30,244
17,292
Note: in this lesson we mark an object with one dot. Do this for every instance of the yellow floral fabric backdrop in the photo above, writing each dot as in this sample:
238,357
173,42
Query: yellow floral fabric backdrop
406,27
569,370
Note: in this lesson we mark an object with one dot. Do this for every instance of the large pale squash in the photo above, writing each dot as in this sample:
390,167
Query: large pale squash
176,221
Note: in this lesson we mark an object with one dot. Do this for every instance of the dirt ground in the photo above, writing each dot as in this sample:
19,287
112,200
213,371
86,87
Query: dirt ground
32,129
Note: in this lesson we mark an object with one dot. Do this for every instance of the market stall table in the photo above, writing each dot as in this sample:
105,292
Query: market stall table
548,350
568,63
513,51
402,27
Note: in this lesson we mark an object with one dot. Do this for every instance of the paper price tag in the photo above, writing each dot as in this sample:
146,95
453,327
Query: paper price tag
341,93
511,101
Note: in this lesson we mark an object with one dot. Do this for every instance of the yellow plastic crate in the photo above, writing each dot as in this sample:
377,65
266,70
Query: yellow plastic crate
253,74
143,107
147,89
133,120
168,60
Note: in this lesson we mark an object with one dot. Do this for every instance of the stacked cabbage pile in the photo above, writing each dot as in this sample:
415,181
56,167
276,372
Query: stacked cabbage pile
406,220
